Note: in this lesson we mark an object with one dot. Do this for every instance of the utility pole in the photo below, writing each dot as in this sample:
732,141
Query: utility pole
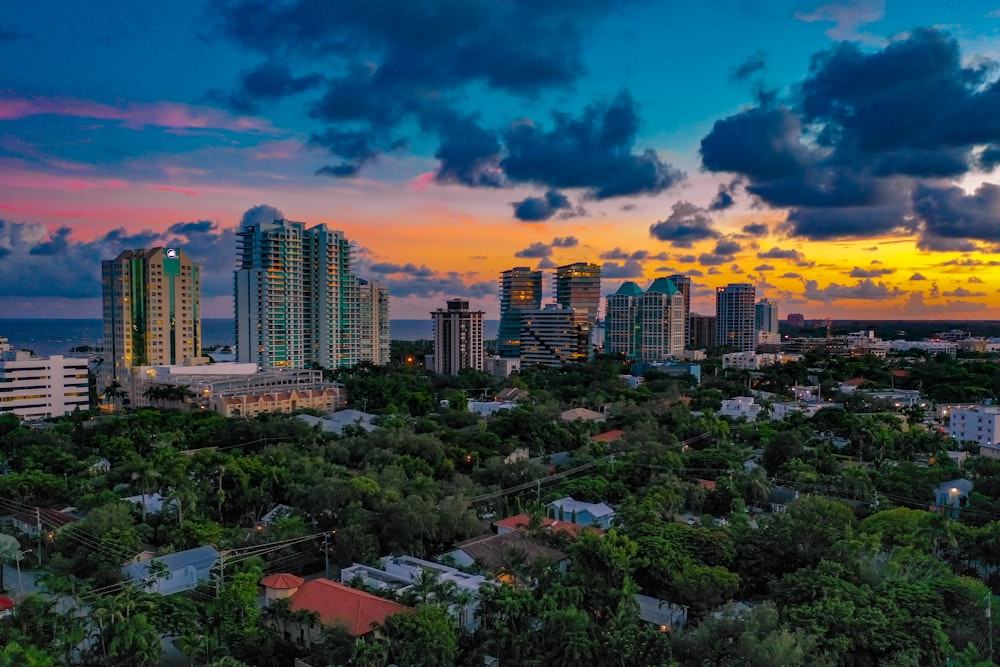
989,622
38,527
222,573
326,553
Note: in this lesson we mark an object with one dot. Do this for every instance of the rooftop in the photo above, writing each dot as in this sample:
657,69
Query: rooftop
336,604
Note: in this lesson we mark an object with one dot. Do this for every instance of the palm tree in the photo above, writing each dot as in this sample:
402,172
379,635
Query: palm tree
370,652
135,643
201,649
182,495
146,480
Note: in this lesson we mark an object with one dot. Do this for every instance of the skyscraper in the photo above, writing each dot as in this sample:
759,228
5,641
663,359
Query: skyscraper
520,290
647,326
152,311
458,338
734,316
373,339
766,322
296,297
555,335
578,285
684,286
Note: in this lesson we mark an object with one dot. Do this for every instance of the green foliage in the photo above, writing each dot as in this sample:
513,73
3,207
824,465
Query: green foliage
427,637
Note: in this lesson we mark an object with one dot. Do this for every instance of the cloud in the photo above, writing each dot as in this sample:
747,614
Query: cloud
267,82
618,253
409,269
686,225
848,152
863,290
628,269
858,272
447,285
536,209
35,259
724,196
756,229
594,152
565,242
790,274
260,214
687,259
534,251
754,64
779,253
975,279
846,15
918,276
962,292
948,214
763,267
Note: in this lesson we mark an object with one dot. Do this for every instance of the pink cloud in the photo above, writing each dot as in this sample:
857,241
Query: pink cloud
40,181
182,191
422,182
133,115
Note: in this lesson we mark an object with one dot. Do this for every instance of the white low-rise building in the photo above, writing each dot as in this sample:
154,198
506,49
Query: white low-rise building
740,406
41,387
980,424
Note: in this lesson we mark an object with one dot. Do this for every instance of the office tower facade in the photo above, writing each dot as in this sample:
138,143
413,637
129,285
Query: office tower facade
458,338
373,340
734,317
152,316
296,296
645,326
520,291
578,285
554,336
702,331
683,284
41,387
766,322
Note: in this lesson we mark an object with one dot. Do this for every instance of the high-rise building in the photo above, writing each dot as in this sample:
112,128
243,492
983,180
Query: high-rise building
702,328
296,296
766,322
520,291
458,338
646,326
373,339
684,286
734,317
151,311
554,336
578,285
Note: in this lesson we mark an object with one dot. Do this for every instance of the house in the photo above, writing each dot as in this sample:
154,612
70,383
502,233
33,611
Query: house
740,406
280,586
580,513
850,386
357,612
152,503
951,496
99,467
780,497
173,573
489,408
336,422
523,521
608,436
49,520
494,554
512,394
665,615
275,513
581,414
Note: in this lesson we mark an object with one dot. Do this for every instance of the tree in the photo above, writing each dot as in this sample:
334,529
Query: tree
9,548
426,637
704,587
134,643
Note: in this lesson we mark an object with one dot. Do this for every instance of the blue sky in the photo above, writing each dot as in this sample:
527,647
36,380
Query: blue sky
839,155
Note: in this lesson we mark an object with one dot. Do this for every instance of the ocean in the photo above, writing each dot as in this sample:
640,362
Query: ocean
48,337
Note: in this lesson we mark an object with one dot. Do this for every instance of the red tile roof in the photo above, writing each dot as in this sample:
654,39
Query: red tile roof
607,436
6,603
706,484
282,581
521,522
350,608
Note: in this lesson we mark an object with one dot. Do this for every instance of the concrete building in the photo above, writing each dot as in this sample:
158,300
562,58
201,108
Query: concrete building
554,336
685,287
646,326
734,316
578,285
701,331
980,424
458,338
765,322
520,291
38,388
151,301
373,341
296,296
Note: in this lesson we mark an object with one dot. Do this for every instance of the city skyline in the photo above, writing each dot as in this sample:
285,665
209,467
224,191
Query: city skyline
839,156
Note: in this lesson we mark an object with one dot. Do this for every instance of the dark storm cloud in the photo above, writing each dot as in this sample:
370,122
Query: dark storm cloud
536,209
686,225
565,242
858,272
864,289
756,229
35,259
780,253
389,268
269,81
755,63
628,269
949,214
534,251
593,151
845,152
357,147
395,63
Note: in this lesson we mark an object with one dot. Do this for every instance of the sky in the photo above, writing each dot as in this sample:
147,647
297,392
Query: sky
839,155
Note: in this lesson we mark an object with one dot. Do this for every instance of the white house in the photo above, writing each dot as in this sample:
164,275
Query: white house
740,406
173,573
